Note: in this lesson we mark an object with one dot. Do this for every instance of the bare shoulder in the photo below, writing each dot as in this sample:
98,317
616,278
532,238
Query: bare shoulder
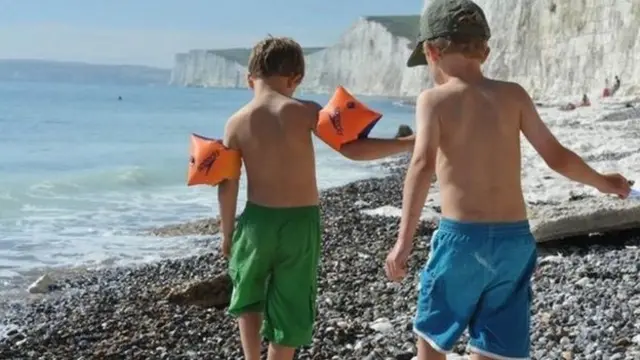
301,110
310,105
430,101
231,127
513,91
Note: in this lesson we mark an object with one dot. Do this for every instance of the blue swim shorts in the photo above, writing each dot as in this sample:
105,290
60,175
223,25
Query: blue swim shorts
478,276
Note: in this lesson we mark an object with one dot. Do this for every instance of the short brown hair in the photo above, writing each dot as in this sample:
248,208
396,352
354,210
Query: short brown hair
276,56
469,47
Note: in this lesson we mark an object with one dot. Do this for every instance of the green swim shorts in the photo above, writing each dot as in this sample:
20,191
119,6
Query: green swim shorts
273,267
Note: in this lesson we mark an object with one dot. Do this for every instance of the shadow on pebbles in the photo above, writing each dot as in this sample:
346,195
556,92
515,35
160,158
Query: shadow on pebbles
586,301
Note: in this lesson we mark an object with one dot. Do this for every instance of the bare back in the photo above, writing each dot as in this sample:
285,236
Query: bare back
478,160
273,132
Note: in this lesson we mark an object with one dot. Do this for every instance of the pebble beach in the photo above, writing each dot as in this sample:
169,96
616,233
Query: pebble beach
586,296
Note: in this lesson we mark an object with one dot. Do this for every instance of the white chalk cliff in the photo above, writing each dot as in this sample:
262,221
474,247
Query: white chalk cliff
368,59
552,47
561,47
206,68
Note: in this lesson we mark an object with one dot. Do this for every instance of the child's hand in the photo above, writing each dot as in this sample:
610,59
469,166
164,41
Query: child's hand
615,184
396,263
226,246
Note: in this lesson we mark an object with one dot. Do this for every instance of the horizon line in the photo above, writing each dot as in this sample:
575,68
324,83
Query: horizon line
81,62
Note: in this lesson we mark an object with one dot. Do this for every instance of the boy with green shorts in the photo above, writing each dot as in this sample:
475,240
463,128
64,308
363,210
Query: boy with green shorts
274,250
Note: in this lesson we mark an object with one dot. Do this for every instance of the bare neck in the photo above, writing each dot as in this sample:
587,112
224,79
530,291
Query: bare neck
464,69
270,86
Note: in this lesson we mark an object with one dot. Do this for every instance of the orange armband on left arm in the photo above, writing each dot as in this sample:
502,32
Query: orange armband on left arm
211,162
345,119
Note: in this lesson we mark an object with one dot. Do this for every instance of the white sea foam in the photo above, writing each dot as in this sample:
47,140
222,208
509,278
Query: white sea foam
77,222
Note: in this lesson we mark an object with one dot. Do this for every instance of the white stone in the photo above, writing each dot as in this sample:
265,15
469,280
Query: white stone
583,282
381,325
42,285
554,259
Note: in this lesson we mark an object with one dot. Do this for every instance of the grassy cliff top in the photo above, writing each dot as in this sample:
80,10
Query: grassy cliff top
241,55
405,26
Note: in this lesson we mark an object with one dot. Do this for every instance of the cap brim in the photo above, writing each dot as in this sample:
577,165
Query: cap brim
417,57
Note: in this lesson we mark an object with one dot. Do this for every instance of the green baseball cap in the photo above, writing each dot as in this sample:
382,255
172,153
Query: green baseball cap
447,19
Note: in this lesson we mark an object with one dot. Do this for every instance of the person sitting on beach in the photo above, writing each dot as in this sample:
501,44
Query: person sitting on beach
274,249
571,106
616,85
567,107
606,92
483,253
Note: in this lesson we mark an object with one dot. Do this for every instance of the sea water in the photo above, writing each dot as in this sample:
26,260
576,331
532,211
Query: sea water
85,169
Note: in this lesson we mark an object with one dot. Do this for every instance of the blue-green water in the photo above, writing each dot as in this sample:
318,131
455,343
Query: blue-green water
81,173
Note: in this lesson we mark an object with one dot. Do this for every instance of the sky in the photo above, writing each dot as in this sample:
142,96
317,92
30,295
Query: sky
151,32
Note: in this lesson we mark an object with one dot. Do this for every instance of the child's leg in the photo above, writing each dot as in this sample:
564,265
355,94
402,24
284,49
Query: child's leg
450,286
249,324
500,326
291,296
481,357
252,250
426,352
278,352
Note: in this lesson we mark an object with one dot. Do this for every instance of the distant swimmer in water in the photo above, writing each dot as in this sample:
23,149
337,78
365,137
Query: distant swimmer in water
119,98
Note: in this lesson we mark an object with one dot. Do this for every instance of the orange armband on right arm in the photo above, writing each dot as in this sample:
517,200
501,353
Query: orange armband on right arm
211,162
345,119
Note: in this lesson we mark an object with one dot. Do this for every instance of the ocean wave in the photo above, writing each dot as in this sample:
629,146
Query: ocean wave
132,177
117,179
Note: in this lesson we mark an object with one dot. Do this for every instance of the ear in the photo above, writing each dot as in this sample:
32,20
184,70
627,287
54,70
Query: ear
294,80
430,52
487,50
249,81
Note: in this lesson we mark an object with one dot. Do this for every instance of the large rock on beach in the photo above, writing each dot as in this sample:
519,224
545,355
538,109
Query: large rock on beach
584,216
403,131
578,216
208,293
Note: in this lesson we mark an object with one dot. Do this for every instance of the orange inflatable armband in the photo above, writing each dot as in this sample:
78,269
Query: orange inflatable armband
345,119
211,162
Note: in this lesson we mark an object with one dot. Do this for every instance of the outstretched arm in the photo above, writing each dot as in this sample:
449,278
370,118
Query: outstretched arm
228,198
365,149
556,156
373,148
416,183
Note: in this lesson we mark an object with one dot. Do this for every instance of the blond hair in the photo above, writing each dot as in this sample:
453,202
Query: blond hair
471,48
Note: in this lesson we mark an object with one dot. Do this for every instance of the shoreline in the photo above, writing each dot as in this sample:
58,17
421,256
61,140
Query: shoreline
586,302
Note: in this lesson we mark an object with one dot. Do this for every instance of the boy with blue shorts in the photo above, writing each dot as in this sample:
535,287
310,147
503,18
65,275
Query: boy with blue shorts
468,131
